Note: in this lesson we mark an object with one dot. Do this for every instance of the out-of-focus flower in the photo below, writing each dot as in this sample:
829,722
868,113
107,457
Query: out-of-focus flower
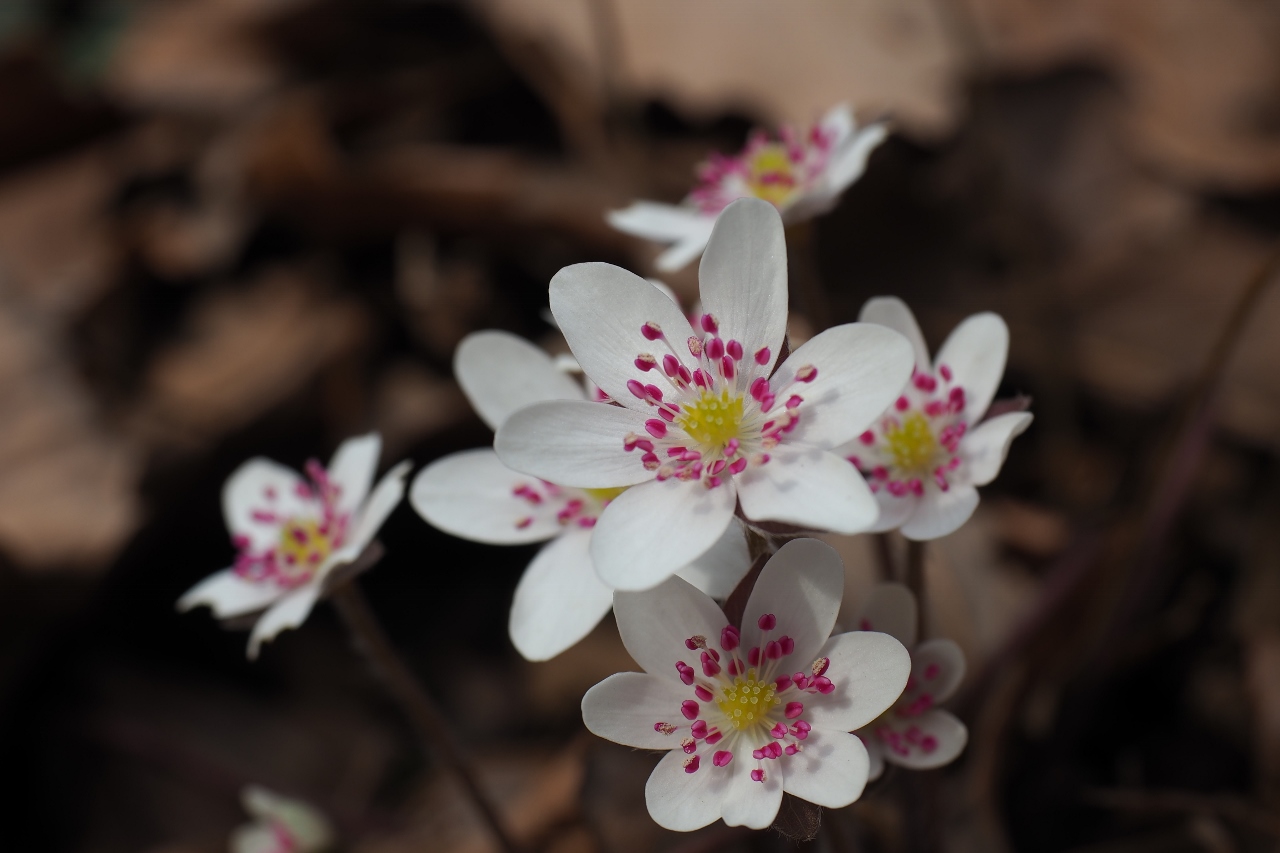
280,825
292,532
914,733
748,712
704,423
473,495
801,175
928,453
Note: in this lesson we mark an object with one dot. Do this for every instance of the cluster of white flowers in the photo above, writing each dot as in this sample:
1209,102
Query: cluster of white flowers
646,474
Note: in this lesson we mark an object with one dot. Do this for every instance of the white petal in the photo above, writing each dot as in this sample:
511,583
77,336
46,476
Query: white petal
874,754
743,279
937,668
683,801
838,124
890,608
939,513
848,164
748,802
894,510
862,368
801,586
682,253
949,739
808,487
309,829
986,447
869,671
261,484
718,571
574,444
655,623
228,594
663,223
254,838
975,351
625,706
893,312
289,612
352,469
559,598
471,495
600,309
501,373
653,530
385,498
830,770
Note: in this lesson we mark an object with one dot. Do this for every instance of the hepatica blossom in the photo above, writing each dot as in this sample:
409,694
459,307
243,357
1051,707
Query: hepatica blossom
802,175
704,422
473,495
914,733
929,451
748,712
280,825
292,531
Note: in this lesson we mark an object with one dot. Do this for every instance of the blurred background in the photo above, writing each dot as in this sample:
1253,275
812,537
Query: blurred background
240,227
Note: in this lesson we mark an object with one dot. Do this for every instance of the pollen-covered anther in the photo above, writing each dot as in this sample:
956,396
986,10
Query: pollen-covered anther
663,728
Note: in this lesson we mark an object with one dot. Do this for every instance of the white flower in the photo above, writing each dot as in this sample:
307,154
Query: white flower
914,733
281,825
925,456
748,713
473,495
801,176
704,422
291,534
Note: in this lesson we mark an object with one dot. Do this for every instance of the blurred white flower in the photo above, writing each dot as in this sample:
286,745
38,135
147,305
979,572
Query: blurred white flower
914,733
280,825
473,495
704,424
926,455
292,532
802,176
748,713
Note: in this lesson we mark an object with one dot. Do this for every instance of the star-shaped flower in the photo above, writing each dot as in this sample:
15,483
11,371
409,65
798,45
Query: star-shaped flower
914,733
752,711
281,825
704,421
928,453
292,532
802,175
473,495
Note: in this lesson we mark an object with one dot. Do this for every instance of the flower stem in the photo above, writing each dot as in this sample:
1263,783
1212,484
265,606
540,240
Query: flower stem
884,557
915,579
432,725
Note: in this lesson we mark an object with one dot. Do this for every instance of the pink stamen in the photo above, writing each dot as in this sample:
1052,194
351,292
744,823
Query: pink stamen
767,622
690,709
734,349
762,356
722,758
651,331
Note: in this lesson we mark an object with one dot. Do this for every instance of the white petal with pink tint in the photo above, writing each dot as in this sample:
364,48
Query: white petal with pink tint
573,444
986,447
625,706
600,309
743,279
933,739
228,594
718,571
975,352
892,312
937,668
747,802
861,367
559,598
352,468
472,494
653,530
655,623
830,771
894,511
802,589
939,513
502,373
683,801
289,612
890,608
256,485
873,670
810,488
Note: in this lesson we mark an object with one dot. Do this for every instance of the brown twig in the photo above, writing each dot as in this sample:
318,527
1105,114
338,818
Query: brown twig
884,557
915,580
431,723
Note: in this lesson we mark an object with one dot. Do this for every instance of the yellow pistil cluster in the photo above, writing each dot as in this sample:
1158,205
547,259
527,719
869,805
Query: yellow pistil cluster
303,546
603,496
770,174
748,701
713,420
912,444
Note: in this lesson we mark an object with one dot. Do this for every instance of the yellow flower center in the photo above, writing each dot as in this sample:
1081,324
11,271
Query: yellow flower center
770,174
303,545
605,495
713,420
912,444
748,701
